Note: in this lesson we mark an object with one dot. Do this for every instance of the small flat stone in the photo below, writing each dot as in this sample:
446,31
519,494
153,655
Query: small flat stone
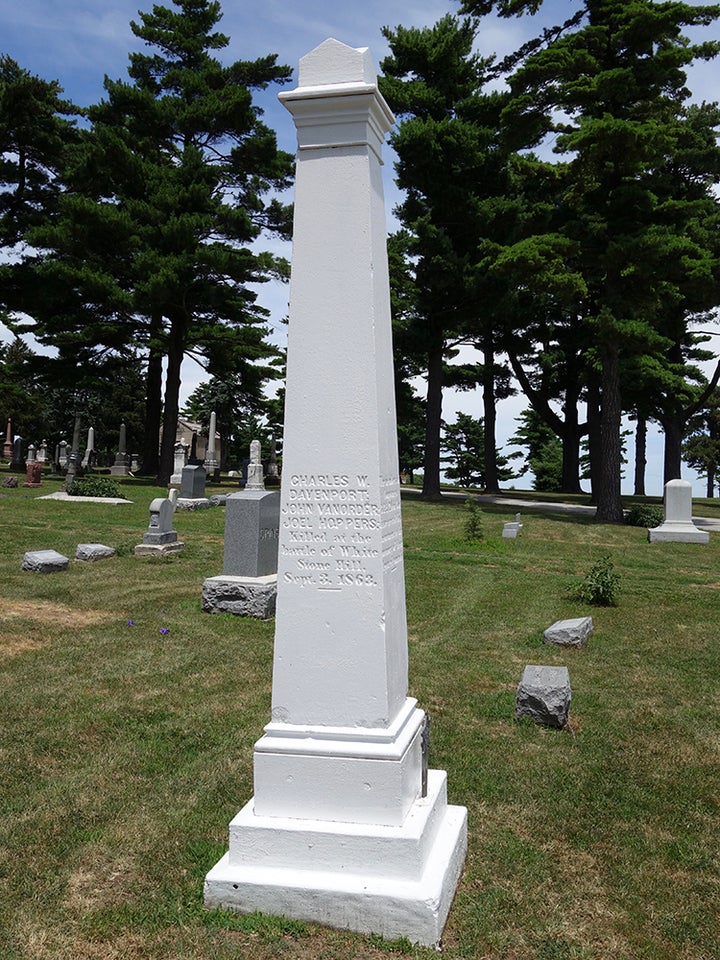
93,551
158,549
569,633
44,561
544,695
185,503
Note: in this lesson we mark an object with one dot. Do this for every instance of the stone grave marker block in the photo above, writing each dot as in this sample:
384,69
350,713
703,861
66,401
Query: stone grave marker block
544,695
44,561
569,633
93,551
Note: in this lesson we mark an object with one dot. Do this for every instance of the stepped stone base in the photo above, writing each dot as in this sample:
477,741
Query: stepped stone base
158,549
392,881
677,532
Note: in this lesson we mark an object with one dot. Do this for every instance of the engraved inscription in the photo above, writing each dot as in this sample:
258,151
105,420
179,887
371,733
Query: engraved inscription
339,532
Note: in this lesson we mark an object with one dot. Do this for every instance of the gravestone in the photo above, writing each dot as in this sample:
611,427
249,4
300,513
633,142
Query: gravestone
121,467
512,528
569,633
88,460
74,467
93,551
192,488
678,525
8,445
44,561
31,457
338,831
248,584
160,538
33,475
272,477
255,479
18,464
212,467
180,453
544,695
42,453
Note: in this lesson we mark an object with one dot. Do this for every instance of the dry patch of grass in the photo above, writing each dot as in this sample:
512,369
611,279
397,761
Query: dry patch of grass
46,611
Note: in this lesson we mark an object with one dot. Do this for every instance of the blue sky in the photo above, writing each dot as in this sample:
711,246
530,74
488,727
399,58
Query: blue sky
78,42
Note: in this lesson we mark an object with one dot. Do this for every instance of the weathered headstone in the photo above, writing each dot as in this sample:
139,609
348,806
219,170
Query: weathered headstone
121,467
248,584
42,456
272,477
33,476
160,538
93,551
18,464
88,460
544,695
678,523
569,633
192,488
31,453
255,477
180,452
8,445
337,831
74,467
44,561
212,467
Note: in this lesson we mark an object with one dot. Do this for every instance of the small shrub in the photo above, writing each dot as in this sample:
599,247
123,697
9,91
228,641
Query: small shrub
93,487
645,515
601,584
473,525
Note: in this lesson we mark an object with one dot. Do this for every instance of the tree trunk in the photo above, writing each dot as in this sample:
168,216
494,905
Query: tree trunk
609,503
570,437
172,402
433,423
153,414
710,483
673,427
640,455
492,479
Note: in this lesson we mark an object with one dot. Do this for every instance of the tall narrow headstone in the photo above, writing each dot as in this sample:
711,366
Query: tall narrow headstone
255,478
212,467
180,453
89,456
42,452
678,523
8,445
74,467
121,467
338,831
18,464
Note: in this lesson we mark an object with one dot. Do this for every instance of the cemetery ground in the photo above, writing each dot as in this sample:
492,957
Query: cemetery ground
129,717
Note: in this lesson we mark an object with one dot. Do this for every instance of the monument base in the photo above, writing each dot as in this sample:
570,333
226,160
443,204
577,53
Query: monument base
678,533
392,881
158,549
121,471
192,503
243,596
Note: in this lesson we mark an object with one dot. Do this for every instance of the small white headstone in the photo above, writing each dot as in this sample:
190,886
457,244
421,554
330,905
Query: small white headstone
678,525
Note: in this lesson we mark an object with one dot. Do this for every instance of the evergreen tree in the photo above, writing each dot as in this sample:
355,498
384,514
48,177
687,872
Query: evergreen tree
544,454
612,92
166,197
701,449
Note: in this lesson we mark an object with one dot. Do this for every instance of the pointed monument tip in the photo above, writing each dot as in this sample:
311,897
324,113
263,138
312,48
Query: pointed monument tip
333,62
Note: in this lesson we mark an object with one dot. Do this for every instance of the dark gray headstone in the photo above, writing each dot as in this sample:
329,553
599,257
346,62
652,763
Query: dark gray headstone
192,484
252,522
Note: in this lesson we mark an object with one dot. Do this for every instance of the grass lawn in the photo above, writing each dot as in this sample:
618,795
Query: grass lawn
128,719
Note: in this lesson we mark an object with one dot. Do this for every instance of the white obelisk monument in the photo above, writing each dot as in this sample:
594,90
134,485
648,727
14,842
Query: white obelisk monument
341,830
